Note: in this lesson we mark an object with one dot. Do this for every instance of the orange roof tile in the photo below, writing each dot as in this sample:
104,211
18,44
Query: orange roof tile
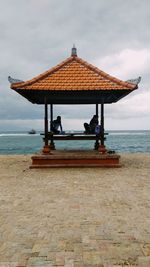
74,74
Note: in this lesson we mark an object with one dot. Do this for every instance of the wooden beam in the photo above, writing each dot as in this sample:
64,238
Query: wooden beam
97,109
52,144
96,146
46,148
51,115
102,124
102,148
46,122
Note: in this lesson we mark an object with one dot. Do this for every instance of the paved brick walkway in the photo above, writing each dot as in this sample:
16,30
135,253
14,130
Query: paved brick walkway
75,217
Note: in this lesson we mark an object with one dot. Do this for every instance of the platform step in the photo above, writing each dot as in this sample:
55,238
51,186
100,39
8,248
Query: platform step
33,166
75,158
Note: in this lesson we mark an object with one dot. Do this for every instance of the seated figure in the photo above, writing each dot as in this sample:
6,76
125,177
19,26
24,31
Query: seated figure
90,128
55,125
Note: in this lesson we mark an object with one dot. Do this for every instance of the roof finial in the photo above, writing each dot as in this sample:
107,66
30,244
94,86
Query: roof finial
74,51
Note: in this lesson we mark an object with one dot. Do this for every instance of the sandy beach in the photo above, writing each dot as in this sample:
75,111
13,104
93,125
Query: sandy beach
75,217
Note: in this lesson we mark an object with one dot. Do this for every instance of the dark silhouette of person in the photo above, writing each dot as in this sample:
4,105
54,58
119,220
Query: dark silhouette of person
55,125
90,128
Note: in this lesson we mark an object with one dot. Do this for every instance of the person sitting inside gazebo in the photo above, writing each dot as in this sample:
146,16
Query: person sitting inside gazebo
55,125
90,128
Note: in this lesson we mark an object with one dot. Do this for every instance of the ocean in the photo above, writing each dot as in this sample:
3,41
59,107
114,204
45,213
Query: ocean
119,141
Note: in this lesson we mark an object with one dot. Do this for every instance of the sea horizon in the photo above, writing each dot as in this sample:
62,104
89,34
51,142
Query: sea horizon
120,141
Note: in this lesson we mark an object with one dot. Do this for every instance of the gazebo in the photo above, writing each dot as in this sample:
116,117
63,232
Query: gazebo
74,81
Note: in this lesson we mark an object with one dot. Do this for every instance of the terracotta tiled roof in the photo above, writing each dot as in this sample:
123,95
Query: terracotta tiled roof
74,74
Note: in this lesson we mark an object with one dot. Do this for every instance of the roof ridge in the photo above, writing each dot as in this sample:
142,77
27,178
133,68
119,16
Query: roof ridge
44,74
104,74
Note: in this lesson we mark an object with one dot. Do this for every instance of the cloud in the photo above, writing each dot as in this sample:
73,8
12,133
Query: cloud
136,106
126,64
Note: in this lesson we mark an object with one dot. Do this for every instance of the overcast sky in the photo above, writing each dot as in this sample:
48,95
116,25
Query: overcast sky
113,35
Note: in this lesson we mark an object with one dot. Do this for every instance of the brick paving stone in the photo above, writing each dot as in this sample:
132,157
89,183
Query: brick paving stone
69,262
60,258
146,249
44,252
39,262
23,260
8,264
78,264
92,258
144,261
52,257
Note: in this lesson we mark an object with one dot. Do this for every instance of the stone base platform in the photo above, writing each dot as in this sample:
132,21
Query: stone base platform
75,158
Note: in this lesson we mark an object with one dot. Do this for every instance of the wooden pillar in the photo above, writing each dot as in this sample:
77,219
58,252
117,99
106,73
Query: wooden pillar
52,144
96,146
102,124
102,148
51,115
46,148
96,109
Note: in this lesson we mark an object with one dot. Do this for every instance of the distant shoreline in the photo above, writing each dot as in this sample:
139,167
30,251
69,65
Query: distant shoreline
20,143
